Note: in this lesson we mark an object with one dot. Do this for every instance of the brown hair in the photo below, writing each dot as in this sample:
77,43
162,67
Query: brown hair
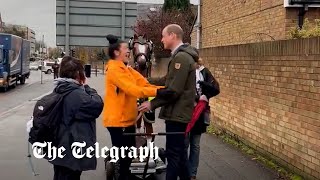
200,61
114,45
175,29
71,67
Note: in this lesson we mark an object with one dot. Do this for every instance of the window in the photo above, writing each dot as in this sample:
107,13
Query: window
49,64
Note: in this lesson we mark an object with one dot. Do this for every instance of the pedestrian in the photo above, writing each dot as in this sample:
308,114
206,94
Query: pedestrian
207,87
176,111
123,86
55,68
81,107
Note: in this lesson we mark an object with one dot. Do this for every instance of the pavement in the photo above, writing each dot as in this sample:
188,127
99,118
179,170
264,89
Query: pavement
218,161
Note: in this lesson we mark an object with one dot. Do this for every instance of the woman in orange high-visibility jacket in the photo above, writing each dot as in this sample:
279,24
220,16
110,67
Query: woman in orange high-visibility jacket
123,85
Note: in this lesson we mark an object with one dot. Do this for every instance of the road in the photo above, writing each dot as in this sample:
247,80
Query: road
23,93
217,161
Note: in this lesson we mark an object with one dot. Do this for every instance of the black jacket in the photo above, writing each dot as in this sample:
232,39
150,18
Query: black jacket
210,88
82,106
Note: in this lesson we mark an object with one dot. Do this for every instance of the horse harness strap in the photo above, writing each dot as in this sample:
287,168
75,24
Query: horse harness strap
141,54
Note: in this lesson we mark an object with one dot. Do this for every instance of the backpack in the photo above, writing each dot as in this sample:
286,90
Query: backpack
47,115
212,87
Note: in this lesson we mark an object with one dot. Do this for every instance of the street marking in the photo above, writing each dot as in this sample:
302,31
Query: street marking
19,88
24,103
12,109
39,97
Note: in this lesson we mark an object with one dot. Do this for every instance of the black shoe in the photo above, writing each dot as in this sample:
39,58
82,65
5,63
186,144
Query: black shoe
162,155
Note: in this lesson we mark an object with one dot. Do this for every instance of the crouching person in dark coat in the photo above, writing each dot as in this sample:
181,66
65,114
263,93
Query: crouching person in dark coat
81,107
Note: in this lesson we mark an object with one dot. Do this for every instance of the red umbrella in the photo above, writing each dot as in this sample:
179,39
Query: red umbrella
200,107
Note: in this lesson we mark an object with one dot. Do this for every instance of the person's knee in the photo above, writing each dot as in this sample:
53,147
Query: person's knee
195,145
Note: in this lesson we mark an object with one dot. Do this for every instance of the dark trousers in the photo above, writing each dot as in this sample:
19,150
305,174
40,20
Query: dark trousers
55,75
64,173
119,140
176,152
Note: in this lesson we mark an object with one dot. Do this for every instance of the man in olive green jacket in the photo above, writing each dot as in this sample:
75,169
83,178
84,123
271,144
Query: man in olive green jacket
177,111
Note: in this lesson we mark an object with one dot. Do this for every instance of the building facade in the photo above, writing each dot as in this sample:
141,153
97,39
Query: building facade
229,22
143,9
269,97
29,35
1,24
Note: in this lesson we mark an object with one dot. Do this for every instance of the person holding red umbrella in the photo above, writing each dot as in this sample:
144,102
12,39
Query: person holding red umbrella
207,87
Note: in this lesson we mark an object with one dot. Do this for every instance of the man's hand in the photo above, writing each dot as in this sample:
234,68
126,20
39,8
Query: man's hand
144,107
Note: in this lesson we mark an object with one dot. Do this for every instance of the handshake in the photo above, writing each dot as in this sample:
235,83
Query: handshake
162,93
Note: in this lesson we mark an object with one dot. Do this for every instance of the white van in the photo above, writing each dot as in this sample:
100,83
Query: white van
46,67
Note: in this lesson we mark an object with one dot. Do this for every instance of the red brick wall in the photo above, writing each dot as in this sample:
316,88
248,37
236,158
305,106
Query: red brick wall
228,22
270,98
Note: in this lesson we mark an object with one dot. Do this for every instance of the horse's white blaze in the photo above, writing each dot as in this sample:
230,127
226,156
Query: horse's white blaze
142,48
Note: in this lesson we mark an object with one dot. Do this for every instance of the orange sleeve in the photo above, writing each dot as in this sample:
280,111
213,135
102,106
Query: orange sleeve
142,81
120,78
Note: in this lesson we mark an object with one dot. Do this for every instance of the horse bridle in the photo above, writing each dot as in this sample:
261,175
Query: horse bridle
150,46
147,56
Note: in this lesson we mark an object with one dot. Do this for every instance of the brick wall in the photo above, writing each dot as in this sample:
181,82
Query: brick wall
270,98
1,23
228,22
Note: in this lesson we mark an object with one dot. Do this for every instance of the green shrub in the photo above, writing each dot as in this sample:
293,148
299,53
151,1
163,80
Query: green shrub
308,30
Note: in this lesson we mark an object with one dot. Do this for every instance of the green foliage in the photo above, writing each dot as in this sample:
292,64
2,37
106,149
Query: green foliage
101,55
54,53
308,30
227,138
296,177
211,130
15,31
183,5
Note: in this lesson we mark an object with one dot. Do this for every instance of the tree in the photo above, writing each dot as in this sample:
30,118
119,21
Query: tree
101,55
54,53
182,5
38,44
15,31
153,25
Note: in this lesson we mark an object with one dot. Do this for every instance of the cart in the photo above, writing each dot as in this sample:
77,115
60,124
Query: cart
149,169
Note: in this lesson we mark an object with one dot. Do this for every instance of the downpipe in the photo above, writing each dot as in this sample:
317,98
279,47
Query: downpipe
198,25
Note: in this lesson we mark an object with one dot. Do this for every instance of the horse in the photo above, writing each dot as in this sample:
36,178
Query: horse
142,49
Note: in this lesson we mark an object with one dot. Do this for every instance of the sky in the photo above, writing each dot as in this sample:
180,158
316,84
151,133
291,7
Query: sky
39,15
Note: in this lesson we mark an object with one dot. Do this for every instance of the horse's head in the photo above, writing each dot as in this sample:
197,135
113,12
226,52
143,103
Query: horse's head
142,50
